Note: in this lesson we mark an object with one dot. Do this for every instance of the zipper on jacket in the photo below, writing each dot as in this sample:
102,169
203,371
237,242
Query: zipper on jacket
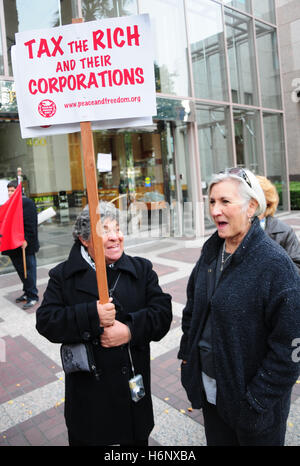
92,362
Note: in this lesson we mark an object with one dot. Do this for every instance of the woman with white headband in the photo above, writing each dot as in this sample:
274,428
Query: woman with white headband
241,321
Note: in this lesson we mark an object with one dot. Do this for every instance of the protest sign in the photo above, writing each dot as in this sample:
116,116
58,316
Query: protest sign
95,71
100,72
50,130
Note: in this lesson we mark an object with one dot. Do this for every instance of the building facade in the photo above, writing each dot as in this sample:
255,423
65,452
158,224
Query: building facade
288,19
219,104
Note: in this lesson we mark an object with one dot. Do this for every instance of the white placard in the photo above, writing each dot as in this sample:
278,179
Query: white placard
93,71
46,215
104,162
3,191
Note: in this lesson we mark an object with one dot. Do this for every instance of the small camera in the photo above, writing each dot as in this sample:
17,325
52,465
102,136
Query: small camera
136,386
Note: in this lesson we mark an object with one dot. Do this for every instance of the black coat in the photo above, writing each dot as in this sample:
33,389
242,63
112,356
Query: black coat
102,412
30,229
255,319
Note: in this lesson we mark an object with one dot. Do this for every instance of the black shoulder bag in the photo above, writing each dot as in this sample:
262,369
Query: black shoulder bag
79,357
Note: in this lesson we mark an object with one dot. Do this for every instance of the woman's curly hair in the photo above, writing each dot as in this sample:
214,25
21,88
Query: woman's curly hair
82,226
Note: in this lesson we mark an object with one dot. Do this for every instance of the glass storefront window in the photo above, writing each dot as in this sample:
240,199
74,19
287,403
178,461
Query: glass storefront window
170,45
268,63
1,54
143,164
243,5
248,143
240,46
215,146
175,110
181,148
8,99
275,154
149,176
68,11
97,9
264,9
52,177
136,165
215,142
206,36
24,15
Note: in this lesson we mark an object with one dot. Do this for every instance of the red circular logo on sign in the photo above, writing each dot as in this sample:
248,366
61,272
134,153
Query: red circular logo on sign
47,108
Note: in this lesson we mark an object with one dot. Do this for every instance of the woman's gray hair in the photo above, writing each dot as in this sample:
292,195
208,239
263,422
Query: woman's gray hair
82,226
247,193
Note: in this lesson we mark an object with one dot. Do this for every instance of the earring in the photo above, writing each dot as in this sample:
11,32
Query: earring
250,219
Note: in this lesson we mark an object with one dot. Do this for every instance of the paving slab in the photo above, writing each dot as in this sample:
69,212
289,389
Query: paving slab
32,380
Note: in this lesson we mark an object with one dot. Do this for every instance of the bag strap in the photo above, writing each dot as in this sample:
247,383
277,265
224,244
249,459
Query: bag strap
131,362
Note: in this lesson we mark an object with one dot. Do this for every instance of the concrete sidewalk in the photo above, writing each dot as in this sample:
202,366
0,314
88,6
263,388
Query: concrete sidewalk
32,380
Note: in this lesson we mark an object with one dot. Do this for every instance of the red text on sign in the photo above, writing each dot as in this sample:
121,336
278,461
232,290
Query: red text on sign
65,65
108,78
43,48
95,62
78,46
118,37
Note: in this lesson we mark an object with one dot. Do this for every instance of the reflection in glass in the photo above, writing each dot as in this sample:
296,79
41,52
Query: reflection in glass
275,154
264,9
242,67
1,55
96,9
268,66
140,161
183,212
182,161
243,5
170,53
8,97
24,15
68,11
175,110
215,145
214,136
206,36
248,139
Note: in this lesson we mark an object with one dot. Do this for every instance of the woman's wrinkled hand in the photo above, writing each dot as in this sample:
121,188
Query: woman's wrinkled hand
106,313
116,335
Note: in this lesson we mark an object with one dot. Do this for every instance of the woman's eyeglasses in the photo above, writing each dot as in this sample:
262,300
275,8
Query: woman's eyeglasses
238,172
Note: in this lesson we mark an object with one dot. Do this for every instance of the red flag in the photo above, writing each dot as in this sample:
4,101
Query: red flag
11,221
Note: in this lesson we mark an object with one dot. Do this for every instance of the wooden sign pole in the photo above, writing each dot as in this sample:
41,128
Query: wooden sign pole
24,263
93,201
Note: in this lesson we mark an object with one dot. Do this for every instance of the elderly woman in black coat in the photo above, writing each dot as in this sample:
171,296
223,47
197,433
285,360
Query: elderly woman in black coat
241,322
99,408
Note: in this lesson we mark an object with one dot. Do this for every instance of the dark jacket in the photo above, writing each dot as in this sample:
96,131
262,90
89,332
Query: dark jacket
102,412
284,235
30,229
255,316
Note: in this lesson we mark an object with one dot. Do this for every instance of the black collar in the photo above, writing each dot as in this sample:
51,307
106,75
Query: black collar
76,263
125,264
253,236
